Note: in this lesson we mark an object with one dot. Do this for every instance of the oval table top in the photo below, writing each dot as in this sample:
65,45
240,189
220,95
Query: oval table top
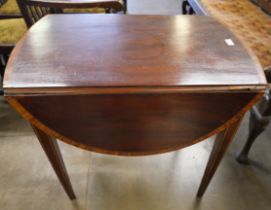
90,53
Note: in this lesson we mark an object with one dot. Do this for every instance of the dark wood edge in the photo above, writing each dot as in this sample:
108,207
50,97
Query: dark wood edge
131,90
258,5
10,16
266,11
12,56
27,115
116,5
267,72
6,48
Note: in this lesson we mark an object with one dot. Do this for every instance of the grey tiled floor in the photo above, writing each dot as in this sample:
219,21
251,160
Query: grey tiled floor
103,182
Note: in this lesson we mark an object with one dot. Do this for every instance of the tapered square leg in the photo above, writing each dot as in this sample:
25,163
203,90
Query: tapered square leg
53,153
221,144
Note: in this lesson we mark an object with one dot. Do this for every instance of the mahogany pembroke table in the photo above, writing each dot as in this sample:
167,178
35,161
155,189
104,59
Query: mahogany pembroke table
132,85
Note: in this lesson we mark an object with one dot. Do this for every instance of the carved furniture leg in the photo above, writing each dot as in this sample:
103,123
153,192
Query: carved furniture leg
221,144
259,119
53,153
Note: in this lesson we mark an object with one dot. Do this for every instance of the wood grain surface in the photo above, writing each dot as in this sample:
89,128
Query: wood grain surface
134,124
101,51
247,21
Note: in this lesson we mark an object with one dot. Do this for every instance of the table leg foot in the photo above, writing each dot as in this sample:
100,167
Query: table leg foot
53,153
259,120
257,125
221,144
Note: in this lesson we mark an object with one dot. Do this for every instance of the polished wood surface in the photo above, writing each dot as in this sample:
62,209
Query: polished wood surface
134,124
132,85
101,51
